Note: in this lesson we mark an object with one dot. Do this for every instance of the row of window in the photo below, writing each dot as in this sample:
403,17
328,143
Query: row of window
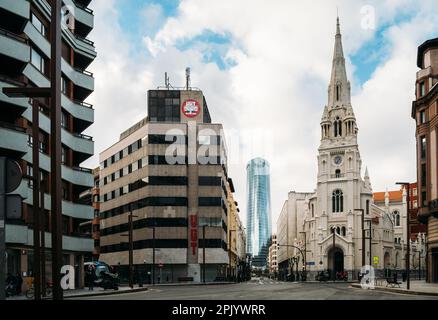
145,202
342,231
153,181
171,159
121,154
163,243
145,223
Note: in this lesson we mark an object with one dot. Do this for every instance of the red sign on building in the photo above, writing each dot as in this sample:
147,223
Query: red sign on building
193,233
191,108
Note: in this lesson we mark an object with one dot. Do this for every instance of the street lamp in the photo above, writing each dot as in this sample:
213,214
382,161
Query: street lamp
229,250
131,246
408,234
363,234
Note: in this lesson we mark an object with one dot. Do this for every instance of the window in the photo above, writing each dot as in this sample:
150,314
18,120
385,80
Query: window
338,127
396,216
422,116
63,85
63,155
313,210
210,181
210,201
344,231
338,92
134,166
423,175
337,201
423,147
38,25
64,120
422,88
424,198
338,173
30,174
37,60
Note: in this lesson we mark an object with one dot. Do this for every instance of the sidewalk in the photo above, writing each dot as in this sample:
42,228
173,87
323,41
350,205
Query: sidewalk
77,293
417,288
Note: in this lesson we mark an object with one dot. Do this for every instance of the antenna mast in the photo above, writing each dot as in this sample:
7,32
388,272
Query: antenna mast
187,78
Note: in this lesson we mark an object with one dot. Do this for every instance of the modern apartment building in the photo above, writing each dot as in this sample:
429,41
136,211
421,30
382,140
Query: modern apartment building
24,61
425,113
170,171
92,227
258,211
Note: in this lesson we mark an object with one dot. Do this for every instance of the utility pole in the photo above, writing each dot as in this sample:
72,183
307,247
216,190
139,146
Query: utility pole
408,235
203,253
131,246
36,199
363,233
370,239
2,227
55,146
43,240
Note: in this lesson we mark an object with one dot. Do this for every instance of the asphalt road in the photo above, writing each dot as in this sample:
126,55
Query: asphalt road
262,289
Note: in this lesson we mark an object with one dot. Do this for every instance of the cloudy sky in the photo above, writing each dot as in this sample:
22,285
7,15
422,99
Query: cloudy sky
264,67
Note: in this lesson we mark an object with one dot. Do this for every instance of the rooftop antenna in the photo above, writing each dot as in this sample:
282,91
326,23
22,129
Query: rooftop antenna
187,78
166,81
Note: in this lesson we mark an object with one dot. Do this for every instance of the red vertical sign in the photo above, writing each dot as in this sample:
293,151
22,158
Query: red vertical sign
193,233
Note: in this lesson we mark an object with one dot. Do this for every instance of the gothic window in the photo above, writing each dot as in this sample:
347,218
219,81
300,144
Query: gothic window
396,216
337,201
338,127
338,173
338,230
344,231
338,92
313,210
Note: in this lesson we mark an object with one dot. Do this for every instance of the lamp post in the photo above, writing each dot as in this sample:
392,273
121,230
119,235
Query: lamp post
305,252
363,233
229,251
292,246
408,235
131,246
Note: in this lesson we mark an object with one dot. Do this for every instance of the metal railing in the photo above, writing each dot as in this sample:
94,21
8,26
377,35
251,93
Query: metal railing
83,136
80,169
83,39
85,8
13,35
82,103
337,176
7,125
87,73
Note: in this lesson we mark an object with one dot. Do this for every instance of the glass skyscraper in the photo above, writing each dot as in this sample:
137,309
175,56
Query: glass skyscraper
258,211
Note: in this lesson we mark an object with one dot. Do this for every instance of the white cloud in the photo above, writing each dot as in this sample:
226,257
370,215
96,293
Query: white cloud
277,82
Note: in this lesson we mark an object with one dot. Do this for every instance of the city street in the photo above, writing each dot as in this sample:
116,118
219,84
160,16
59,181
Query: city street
264,289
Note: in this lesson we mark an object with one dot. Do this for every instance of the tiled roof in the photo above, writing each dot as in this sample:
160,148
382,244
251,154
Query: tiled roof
393,196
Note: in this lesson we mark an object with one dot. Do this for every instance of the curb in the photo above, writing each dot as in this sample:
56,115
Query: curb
105,293
403,291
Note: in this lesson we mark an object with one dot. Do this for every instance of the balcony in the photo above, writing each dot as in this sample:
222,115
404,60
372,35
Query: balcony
18,7
14,46
5,82
79,77
337,176
21,234
13,139
79,110
78,142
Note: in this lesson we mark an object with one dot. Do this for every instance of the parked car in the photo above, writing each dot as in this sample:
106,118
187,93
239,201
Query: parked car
323,276
104,277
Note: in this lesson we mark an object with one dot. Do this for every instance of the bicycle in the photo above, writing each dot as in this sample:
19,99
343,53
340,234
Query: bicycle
30,293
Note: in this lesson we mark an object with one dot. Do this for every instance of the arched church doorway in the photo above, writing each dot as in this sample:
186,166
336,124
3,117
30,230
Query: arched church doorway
387,264
336,260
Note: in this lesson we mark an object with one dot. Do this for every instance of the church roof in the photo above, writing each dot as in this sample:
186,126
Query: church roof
393,196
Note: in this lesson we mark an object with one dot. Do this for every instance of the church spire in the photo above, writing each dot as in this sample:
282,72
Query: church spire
339,88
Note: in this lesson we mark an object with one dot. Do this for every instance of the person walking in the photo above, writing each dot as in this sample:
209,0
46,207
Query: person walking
91,273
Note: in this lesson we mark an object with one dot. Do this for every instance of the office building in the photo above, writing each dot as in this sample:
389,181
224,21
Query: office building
170,171
258,211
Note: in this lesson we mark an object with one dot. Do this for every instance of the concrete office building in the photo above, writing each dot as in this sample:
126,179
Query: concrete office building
425,113
170,169
258,211
24,61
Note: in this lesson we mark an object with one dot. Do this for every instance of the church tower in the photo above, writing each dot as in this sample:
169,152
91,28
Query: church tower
340,188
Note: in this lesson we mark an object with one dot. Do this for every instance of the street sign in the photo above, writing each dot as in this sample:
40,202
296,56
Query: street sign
13,175
376,260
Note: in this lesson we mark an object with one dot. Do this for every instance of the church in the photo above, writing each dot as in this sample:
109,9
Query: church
324,227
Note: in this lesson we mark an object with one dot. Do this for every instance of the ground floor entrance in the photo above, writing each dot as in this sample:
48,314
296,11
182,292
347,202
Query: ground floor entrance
335,261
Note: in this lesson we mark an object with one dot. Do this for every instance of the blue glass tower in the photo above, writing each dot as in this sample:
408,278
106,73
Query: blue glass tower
258,211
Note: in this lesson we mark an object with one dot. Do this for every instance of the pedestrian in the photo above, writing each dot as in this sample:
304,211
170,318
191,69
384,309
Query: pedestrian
19,283
91,272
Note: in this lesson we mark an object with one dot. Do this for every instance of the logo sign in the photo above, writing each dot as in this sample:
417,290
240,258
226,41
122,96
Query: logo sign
191,108
193,233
